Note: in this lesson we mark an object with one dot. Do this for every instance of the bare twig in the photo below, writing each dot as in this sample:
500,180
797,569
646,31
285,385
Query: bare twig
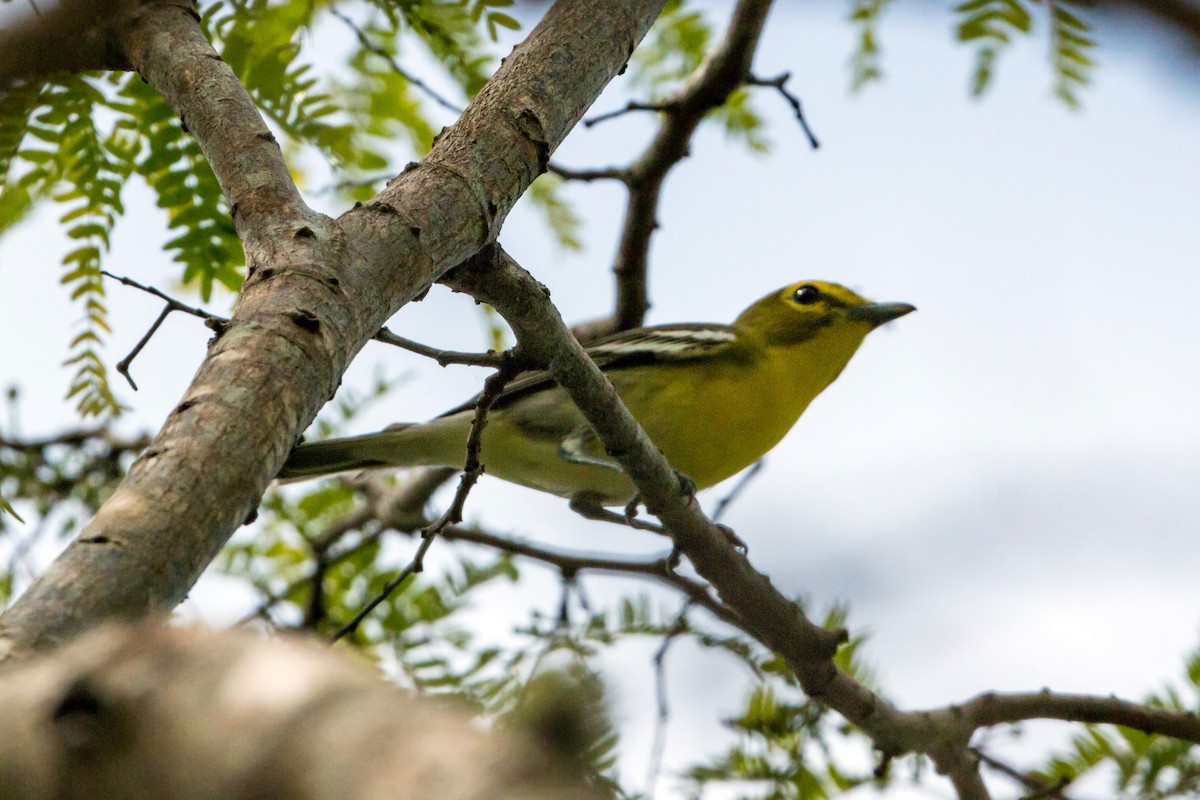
632,105
171,302
779,83
385,336
403,506
588,175
74,438
995,708
659,568
443,357
737,489
663,715
416,565
171,305
473,468
123,364
1037,789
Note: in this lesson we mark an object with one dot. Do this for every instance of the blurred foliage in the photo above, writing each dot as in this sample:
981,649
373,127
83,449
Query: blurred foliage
672,51
991,26
785,742
65,477
865,60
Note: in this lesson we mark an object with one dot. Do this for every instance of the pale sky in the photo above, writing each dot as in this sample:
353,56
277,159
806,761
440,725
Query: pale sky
1005,486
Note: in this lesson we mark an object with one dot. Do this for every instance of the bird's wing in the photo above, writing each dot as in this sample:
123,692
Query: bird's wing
662,343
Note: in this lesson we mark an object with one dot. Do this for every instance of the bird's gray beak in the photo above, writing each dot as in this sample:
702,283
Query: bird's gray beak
878,313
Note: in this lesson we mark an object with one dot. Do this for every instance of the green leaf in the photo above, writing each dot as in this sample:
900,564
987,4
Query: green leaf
865,66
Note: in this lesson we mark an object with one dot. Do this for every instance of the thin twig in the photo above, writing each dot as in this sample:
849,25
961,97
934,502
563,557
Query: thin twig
472,469
659,568
174,304
663,716
417,564
171,305
588,175
632,105
386,56
737,489
779,83
443,357
76,438
1037,788
123,364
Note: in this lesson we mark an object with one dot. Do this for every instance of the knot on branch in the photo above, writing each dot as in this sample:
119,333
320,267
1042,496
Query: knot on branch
530,126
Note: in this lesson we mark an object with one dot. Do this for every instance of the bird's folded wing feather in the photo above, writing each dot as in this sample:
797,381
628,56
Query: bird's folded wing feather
663,343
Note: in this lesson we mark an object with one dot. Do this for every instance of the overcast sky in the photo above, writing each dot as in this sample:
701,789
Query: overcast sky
1005,486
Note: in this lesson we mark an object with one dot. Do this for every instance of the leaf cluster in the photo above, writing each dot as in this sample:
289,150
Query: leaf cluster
992,25
865,65
788,746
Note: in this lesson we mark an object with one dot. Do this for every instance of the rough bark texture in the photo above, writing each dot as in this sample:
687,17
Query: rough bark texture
154,712
317,290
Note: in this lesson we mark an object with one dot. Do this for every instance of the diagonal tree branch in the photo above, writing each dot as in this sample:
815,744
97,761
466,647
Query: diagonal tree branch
944,734
317,290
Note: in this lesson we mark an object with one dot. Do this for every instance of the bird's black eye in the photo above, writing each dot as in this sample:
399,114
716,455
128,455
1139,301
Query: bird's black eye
807,294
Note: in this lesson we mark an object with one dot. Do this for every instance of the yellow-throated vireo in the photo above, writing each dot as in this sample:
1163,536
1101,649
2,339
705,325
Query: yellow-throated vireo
714,398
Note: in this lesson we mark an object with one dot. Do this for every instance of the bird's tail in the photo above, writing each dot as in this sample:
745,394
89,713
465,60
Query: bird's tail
394,447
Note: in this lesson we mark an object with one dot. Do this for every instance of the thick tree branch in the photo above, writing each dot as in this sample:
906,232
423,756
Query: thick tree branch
151,711
317,290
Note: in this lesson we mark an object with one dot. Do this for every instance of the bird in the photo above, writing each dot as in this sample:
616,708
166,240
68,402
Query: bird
713,398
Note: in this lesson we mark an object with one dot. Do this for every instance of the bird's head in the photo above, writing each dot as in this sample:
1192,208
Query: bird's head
812,309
